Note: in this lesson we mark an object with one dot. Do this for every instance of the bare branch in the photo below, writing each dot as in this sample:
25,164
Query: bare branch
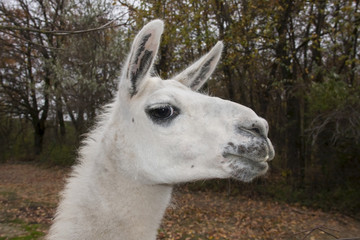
131,8
62,33
322,229
28,41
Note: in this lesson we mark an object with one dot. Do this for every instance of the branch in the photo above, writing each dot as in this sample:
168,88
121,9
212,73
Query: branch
321,228
124,4
62,33
29,41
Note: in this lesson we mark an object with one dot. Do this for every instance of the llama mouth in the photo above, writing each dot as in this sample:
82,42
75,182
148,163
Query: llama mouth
228,155
245,169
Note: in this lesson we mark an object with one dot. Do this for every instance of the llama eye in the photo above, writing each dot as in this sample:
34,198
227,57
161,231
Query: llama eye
162,114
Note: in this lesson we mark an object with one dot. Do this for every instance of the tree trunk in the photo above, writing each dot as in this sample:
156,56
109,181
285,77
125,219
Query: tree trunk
316,41
60,116
223,19
355,35
293,107
39,131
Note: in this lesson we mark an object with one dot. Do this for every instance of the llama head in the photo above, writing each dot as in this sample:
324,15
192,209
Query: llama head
164,132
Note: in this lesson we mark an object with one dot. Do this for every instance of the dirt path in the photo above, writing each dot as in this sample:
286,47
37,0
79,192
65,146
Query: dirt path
29,195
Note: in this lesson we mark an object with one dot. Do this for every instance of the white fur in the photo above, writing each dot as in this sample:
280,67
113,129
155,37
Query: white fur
122,184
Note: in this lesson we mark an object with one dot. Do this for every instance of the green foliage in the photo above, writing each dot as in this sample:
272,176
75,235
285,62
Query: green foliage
330,95
334,106
17,145
334,116
17,141
59,154
60,150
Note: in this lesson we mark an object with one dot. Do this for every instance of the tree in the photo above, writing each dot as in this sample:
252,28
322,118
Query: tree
87,68
26,82
45,65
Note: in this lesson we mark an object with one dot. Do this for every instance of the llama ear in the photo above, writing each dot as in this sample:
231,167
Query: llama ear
141,58
198,73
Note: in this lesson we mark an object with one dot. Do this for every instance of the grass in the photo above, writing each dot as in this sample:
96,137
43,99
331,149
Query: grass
19,229
25,231
9,195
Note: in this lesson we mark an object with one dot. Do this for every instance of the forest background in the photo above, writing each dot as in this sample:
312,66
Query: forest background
296,63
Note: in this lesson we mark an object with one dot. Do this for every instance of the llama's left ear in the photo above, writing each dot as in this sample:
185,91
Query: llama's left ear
141,58
199,72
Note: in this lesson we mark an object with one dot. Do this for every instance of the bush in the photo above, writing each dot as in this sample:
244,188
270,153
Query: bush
334,107
334,114
59,154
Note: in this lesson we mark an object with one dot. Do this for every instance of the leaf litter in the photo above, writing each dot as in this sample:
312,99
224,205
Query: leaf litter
29,195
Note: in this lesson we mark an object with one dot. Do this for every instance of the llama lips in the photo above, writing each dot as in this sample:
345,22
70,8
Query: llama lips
245,169
235,157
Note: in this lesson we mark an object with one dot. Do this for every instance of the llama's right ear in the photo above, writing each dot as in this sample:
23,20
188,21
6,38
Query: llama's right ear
141,58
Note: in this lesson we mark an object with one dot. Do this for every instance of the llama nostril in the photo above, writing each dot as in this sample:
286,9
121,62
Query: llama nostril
256,130
260,127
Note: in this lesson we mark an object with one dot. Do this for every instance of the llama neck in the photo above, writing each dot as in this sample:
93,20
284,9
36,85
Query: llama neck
101,203
136,207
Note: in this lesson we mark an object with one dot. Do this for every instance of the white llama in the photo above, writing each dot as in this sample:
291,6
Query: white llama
156,133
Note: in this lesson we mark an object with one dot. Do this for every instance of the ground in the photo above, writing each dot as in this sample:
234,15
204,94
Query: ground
29,195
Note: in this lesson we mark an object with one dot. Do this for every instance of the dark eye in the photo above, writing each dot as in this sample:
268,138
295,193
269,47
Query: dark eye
162,114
